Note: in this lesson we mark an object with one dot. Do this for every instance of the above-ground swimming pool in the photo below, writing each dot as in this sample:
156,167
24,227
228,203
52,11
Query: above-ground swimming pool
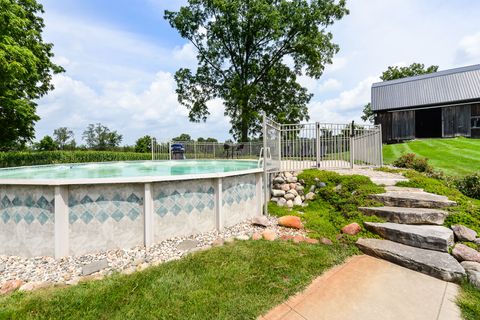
74,209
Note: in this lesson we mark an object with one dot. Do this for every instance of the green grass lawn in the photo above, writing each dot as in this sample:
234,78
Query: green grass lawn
456,157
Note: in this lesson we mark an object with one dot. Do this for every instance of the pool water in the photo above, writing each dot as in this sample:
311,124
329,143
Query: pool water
126,169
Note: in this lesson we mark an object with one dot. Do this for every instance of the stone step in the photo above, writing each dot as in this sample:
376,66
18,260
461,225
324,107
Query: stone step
426,237
437,264
413,200
407,215
402,189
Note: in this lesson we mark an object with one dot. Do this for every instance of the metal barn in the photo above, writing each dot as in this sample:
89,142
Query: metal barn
442,104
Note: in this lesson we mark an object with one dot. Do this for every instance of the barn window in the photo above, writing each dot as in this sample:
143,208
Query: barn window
476,122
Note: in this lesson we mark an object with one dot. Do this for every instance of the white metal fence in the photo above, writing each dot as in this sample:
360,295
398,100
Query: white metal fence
288,147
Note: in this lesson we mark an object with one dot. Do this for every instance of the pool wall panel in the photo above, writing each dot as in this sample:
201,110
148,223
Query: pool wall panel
239,199
27,220
183,208
103,217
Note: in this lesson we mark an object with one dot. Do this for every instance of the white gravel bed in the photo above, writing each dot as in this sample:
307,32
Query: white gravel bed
69,269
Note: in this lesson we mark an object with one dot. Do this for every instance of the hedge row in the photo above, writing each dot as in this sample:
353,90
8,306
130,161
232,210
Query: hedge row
17,159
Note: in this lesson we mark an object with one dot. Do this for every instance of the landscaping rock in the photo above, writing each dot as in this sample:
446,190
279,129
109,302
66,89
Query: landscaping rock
229,240
427,237
299,188
407,215
217,242
289,204
286,237
285,187
312,189
298,239
10,286
326,241
293,191
242,237
92,277
289,196
473,272
269,235
187,245
94,267
477,241
352,229
278,193
297,201
462,252
434,263
311,241
2,267
287,174
292,179
278,180
256,236
292,186
281,202
274,199
290,222
338,188
321,184
261,221
463,233
310,196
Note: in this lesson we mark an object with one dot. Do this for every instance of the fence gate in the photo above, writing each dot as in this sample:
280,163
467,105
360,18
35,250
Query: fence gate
320,145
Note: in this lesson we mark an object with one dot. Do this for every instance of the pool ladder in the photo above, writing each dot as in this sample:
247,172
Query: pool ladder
264,153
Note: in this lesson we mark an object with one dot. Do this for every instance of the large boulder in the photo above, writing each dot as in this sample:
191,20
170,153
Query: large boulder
289,196
278,180
94,267
473,272
297,201
463,233
352,229
290,222
269,235
462,252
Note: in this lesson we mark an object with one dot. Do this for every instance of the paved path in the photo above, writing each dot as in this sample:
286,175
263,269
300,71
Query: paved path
368,288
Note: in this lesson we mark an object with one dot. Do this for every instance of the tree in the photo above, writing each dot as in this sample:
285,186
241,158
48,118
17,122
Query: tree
415,69
99,137
64,138
47,144
368,115
25,70
143,144
183,137
207,140
393,73
242,52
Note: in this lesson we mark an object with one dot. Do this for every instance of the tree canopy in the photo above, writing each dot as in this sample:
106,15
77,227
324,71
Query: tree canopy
143,144
100,137
25,70
249,54
393,73
64,138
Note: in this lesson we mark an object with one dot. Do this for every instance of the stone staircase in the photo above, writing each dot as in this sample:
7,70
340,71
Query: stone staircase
414,235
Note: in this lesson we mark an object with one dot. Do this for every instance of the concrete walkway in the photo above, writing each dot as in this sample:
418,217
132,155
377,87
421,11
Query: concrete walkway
368,288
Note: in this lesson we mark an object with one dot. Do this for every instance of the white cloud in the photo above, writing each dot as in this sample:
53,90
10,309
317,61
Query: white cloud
469,48
154,111
329,85
347,106
338,63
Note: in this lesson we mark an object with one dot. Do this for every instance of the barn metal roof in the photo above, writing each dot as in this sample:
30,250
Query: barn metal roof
442,87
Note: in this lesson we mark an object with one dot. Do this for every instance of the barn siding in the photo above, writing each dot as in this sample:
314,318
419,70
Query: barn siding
403,125
456,121
475,132
385,120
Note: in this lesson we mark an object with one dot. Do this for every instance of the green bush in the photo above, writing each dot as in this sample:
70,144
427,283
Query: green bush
411,161
18,159
470,186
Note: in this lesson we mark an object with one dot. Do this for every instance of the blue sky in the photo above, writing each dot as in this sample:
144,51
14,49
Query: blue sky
121,55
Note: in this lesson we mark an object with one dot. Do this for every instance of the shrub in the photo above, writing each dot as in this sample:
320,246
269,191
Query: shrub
411,161
17,159
470,185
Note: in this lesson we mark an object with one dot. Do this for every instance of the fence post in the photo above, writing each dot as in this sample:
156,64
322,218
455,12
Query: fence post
151,147
380,143
317,143
265,174
169,145
352,145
